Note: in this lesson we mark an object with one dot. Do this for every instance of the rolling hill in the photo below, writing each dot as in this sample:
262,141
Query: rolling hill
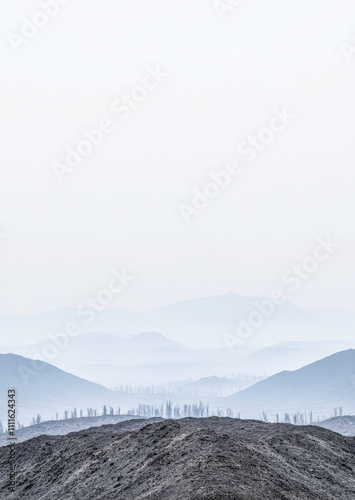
199,323
317,387
44,389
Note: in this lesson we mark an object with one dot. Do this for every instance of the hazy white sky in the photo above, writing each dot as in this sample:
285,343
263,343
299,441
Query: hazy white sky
120,207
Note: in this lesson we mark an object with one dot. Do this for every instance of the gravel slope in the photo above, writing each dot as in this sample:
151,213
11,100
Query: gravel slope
189,459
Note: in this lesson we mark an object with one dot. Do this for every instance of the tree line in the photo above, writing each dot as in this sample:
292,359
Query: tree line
170,410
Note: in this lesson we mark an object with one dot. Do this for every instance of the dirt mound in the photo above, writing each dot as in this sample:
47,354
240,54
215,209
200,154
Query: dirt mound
191,459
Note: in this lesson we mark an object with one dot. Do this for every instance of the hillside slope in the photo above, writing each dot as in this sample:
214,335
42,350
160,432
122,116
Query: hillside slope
190,459
319,387
343,425
44,389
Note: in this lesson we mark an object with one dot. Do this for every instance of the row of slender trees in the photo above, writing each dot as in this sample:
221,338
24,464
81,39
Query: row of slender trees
196,410
302,418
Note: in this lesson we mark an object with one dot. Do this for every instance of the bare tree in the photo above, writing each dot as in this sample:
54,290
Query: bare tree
168,411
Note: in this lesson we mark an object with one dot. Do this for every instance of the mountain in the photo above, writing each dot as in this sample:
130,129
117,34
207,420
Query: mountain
147,347
190,459
151,358
200,323
344,425
317,387
291,355
44,389
159,374
141,359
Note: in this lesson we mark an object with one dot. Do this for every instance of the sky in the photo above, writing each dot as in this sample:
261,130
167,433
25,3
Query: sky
218,79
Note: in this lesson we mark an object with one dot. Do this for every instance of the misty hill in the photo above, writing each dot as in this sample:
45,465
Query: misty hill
344,425
151,358
190,459
147,347
219,386
196,323
146,358
45,389
319,387
291,355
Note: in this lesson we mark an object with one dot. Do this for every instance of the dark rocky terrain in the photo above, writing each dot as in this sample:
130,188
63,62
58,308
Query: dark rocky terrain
198,459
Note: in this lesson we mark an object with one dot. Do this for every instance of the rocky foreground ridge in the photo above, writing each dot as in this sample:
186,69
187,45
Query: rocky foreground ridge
198,459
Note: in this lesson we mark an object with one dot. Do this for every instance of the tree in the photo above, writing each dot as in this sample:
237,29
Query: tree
168,411
104,411
340,411
66,415
177,411
38,419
